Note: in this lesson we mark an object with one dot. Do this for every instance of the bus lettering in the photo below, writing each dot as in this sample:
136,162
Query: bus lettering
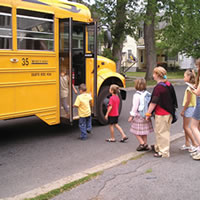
41,74
25,62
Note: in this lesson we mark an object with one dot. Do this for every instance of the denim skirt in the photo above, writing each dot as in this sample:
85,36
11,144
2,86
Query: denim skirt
189,112
196,114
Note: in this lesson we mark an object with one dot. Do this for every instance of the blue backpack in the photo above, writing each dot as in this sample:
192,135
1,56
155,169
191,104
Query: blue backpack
145,98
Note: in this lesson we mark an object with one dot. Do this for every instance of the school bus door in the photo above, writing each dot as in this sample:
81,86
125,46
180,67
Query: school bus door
75,61
65,65
72,64
91,62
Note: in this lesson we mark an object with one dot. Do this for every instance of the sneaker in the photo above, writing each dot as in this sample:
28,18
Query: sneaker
89,131
184,147
194,153
193,149
197,156
82,138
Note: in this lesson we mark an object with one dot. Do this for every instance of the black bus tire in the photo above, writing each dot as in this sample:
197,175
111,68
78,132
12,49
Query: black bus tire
102,103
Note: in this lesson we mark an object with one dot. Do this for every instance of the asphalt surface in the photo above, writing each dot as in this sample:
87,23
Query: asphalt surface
146,178
33,154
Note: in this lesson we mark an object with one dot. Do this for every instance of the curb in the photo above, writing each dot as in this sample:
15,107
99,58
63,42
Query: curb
59,183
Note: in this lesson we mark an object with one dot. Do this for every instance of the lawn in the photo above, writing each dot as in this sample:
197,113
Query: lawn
130,83
132,75
170,75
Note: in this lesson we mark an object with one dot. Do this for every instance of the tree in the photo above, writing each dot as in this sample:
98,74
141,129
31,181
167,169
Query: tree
121,18
182,31
119,31
149,37
153,12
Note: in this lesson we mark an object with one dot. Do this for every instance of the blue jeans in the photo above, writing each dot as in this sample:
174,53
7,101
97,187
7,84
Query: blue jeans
85,124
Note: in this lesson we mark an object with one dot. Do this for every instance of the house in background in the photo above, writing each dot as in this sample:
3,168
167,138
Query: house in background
129,49
135,48
186,62
141,51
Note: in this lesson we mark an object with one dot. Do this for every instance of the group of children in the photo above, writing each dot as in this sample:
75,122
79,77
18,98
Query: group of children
141,126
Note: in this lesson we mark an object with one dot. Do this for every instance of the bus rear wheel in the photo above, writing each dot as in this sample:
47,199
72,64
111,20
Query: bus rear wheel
102,103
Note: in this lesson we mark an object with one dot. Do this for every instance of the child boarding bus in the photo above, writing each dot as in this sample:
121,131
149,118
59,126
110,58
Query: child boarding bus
39,41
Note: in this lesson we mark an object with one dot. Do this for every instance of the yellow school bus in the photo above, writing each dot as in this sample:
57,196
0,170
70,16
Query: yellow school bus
41,41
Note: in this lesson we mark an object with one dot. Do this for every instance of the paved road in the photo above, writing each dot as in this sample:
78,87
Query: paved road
33,154
146,178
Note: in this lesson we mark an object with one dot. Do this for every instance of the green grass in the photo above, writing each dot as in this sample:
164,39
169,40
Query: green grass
133,75
137,157
66,187
148,171
130,83
170,75
136,74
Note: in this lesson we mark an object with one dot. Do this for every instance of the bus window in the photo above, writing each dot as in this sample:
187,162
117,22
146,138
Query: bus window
90,38
78,50
5,28
35,30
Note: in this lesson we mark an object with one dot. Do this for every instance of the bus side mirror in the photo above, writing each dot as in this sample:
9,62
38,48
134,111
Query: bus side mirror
123,94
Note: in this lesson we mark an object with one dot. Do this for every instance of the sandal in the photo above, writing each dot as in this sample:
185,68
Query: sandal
146,147
141,147
110,140
157,155
124,139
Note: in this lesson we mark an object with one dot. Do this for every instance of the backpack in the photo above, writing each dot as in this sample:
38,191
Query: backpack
145,98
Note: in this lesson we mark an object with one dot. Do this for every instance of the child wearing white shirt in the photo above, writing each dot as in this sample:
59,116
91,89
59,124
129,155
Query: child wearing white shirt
140,127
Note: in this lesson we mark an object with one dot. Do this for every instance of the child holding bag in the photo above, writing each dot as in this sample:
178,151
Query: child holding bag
140,127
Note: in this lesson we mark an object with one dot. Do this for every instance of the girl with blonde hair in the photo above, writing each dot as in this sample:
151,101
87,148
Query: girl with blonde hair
164,103
189,103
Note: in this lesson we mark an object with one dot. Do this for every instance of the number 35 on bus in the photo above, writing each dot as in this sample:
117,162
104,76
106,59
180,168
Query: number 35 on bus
46,45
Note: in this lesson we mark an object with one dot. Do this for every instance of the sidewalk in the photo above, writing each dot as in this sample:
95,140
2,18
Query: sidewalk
104,167
145,178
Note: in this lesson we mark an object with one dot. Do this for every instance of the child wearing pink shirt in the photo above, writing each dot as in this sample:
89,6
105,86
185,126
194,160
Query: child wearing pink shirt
140,127
113,114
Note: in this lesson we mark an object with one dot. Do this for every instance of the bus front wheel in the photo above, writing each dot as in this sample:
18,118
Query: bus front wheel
102,103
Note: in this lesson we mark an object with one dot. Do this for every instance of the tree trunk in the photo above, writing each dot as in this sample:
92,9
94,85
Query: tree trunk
117,53
149,39
119,32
